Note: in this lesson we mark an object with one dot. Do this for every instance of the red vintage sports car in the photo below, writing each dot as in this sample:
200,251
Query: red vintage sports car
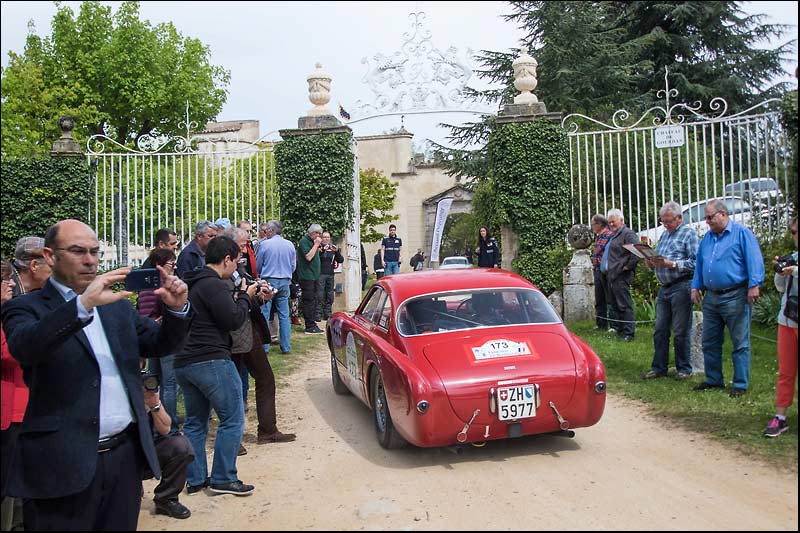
464,356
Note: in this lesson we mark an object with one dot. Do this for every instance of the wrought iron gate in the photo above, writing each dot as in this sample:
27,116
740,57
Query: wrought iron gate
685,155
175,182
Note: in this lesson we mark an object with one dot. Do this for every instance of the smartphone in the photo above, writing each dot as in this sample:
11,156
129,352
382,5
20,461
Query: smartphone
143,279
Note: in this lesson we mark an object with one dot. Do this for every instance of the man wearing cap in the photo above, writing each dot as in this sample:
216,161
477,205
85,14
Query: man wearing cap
193,257
31,268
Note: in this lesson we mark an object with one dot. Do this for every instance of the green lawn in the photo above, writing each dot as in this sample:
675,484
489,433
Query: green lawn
736,422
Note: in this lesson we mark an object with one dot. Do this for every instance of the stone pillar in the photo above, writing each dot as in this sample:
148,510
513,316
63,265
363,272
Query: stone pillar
696,358
510,247
578,278
320,121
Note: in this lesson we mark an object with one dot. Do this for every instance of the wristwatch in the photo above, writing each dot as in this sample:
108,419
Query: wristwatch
156,407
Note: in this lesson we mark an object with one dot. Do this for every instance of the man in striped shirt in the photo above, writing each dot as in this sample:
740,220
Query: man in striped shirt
674,269
602,299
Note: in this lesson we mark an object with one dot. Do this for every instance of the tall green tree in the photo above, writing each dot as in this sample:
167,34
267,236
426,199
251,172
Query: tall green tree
596,57
377,195
113,72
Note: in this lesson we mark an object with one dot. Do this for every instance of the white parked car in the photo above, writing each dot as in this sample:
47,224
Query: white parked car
756,190
455,261
695,215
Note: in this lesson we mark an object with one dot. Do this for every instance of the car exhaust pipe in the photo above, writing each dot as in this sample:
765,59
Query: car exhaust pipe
563,424
568,433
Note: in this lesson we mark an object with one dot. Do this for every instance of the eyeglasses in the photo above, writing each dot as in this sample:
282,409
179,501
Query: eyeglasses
170,264
711,216
79,251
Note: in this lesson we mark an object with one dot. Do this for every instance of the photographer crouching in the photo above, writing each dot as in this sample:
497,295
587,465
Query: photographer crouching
206,373
174,452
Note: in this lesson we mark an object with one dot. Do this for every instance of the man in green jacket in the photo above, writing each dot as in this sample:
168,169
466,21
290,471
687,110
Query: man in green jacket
308,270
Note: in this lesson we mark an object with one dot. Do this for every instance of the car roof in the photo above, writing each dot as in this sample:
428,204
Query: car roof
410,284
693,204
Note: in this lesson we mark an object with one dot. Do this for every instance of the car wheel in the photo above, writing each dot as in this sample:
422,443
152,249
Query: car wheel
338,385
387,434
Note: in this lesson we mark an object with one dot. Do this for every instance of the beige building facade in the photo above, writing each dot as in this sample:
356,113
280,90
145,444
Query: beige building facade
419,187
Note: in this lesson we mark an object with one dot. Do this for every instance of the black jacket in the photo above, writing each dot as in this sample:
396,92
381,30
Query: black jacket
56,452
488,253
216,314
326,259
620,260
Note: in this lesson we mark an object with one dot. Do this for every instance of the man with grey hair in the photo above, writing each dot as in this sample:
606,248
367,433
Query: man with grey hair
308,271
674,269
30,267
193,257
730,268
618,265
602,296
276,259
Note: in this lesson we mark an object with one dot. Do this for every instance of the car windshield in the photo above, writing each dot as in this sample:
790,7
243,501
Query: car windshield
475,308
741,187
455,261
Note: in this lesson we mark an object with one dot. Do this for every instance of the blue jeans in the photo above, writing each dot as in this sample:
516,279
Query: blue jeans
281,300
673,310
732,310
392,267
206,385
168,388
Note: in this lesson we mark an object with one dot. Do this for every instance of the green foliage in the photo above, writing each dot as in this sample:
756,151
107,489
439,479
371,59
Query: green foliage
107,71
460,234
766,308
529,167
377,194
789,121
645,285
596,57
315,175
38,193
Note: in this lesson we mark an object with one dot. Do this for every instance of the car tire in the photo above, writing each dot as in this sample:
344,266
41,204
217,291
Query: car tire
384,427
338,385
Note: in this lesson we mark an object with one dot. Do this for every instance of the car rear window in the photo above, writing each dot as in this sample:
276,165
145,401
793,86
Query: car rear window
474,309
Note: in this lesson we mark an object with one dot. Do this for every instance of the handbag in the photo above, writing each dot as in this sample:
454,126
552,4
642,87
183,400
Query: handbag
790,309
243,337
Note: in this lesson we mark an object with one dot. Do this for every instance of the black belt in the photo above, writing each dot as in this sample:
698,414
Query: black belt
109,443
680,279
729,289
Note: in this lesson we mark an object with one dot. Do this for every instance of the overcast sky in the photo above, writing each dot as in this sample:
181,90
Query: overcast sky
271,47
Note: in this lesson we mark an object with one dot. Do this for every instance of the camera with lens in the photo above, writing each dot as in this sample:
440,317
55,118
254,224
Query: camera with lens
150,381
783,262
249,281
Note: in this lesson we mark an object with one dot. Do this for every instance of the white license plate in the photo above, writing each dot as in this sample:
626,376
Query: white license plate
516,402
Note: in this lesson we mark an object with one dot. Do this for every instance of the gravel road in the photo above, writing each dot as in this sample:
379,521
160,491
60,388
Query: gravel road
629,472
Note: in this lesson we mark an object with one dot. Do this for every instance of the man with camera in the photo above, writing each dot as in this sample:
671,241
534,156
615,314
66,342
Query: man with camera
730,269
85,439
174,452
308,271
248,350
329,256
206,373
786,282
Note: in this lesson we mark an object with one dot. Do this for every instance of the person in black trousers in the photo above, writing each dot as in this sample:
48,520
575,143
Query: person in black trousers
328,255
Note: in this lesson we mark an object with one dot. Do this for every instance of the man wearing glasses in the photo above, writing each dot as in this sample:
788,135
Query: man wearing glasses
730,269
85,439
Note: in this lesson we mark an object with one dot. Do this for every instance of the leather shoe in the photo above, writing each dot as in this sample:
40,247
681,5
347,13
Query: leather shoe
736,393
173,508
242,450
652,374
706,385
276,437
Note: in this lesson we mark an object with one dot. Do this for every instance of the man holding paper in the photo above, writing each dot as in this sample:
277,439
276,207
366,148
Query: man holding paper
674,268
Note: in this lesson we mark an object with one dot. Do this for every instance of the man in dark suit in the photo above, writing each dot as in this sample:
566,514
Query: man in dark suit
618,265
85,439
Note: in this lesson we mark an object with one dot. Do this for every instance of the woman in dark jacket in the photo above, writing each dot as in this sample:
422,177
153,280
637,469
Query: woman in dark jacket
488,252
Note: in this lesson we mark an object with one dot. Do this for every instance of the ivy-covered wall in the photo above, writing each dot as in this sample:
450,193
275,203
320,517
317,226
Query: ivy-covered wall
529,164
315,174
37,193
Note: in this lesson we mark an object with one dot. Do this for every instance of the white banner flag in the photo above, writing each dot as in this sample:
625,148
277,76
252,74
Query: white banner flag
441,216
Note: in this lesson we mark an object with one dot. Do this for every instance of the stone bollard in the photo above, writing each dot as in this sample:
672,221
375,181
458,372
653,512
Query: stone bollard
558,303
578,278
696,338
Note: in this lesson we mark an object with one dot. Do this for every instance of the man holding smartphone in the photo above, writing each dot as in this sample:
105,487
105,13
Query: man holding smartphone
78,461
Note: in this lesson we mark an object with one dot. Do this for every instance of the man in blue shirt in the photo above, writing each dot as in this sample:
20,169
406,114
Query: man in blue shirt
674,268
730,269
390,246
276,260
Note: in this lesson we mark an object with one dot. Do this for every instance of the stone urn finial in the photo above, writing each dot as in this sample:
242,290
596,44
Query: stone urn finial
65,145
319,91
525,78
580,236
67,124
